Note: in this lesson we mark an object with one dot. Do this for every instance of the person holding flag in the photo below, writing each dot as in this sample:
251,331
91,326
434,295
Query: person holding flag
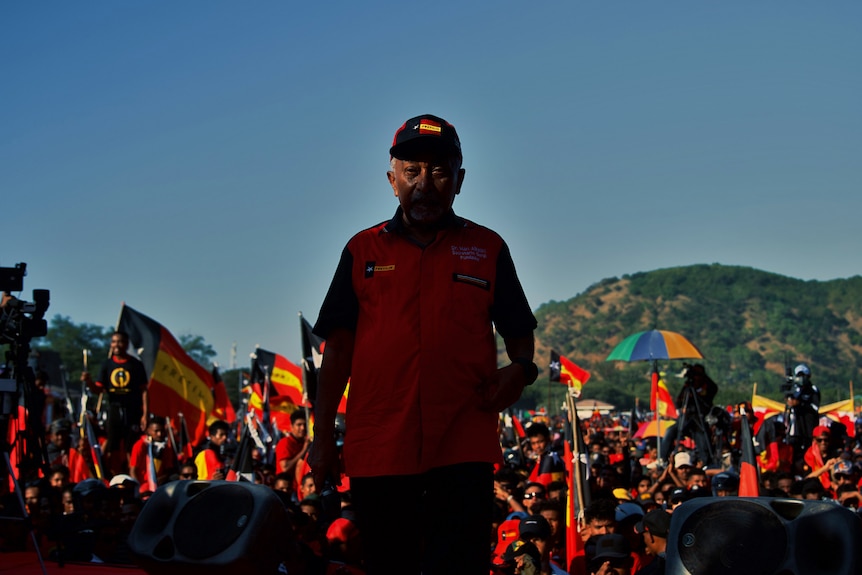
124,380
152,460
409,318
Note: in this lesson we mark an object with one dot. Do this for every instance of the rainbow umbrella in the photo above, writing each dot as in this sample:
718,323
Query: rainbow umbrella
653,345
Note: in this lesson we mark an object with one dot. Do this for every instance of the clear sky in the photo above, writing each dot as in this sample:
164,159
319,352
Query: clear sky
206,161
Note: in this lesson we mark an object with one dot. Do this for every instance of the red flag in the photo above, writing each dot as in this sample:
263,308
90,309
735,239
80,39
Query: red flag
285,377
178,384
565,371
664,399
222,407
749,471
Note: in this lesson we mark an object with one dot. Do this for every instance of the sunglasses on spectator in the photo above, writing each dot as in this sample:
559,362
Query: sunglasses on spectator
533,495
821,439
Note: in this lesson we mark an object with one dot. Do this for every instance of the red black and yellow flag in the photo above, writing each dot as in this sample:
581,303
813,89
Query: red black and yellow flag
566,371
178,384
749,470
285,376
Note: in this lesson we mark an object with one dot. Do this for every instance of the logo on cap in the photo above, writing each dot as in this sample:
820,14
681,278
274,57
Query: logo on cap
427,126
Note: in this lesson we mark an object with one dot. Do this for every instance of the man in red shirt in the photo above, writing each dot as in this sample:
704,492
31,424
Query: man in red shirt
291,448
409,318
152,460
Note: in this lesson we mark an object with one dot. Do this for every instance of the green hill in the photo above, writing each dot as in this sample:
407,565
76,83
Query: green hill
748,324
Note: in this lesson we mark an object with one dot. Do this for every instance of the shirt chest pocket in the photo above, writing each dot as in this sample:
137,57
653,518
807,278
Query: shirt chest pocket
471,296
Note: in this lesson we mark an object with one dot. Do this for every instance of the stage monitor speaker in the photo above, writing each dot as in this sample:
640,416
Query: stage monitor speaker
763,536
212,527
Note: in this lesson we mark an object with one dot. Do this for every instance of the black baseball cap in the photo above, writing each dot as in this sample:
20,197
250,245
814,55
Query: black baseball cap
425,133
656,522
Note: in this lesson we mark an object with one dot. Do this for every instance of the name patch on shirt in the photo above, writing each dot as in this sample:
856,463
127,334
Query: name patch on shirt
472,280
371,268
474,253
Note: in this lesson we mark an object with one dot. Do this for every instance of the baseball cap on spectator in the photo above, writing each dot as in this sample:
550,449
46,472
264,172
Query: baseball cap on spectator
682,459
122,479
518,548
507,533
628,510
534,526
821,430
609,547
678,494
843,467
622,493
425,133
656,522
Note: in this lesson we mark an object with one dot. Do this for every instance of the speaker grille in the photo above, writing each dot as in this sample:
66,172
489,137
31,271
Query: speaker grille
212,520
732,538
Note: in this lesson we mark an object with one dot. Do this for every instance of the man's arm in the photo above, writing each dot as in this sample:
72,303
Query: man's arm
331,382
508,382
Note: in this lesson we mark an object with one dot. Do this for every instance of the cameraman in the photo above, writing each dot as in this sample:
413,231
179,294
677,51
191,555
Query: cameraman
694,402
801,413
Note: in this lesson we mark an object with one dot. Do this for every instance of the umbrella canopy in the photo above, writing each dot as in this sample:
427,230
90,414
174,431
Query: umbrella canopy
648,429
654,344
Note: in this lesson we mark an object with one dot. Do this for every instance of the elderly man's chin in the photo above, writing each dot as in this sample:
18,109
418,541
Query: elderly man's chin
425,216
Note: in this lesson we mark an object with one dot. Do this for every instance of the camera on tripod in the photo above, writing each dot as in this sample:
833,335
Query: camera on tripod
21,321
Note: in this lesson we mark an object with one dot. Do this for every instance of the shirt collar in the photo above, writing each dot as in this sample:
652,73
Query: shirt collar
396,224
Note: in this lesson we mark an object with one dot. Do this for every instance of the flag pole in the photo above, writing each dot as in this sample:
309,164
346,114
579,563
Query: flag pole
654,401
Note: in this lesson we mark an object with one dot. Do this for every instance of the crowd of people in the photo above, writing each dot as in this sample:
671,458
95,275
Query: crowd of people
428,477
623,529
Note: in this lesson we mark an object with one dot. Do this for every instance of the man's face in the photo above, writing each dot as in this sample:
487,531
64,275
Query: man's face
219,437
119,344
822,443
56,480
307,487
281,485
553,518
156,431
298,429
425,187
538,444
602,526
696,479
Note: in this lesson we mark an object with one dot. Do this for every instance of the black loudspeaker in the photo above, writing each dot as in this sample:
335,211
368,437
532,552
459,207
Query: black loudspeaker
212,527
763,536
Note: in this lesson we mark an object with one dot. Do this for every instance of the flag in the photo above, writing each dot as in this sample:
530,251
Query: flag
749,470
222,407
577,469
663,399
567,372
178,384
285,376
764,408
312,357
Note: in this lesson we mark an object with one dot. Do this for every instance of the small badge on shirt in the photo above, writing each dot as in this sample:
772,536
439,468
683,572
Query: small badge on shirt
472,280
371,268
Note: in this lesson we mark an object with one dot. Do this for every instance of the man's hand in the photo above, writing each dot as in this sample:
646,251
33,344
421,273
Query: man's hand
323,460
503,388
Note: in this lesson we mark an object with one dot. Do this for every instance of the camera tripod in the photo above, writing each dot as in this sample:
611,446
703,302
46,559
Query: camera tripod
701,436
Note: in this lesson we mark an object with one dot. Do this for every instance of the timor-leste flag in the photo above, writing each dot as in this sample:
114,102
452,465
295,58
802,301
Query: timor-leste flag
566,371
177,384
312,357
285,376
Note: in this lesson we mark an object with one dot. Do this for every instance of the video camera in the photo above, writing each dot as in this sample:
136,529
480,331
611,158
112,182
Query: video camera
21,321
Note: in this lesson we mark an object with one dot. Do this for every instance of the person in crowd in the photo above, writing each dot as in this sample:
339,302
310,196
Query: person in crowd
549,466
124,380
409,318
654,528
802,402
612,556
211,462
292,448
818,460
152,461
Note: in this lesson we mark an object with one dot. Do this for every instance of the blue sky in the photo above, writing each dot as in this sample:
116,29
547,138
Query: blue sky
206,161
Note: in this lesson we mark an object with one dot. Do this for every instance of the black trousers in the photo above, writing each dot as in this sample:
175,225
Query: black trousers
435,523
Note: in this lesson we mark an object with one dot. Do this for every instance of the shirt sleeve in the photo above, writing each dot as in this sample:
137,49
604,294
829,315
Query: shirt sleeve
340,308
510,312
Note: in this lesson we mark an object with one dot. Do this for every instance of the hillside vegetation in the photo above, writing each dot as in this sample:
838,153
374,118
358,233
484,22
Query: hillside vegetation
748,323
